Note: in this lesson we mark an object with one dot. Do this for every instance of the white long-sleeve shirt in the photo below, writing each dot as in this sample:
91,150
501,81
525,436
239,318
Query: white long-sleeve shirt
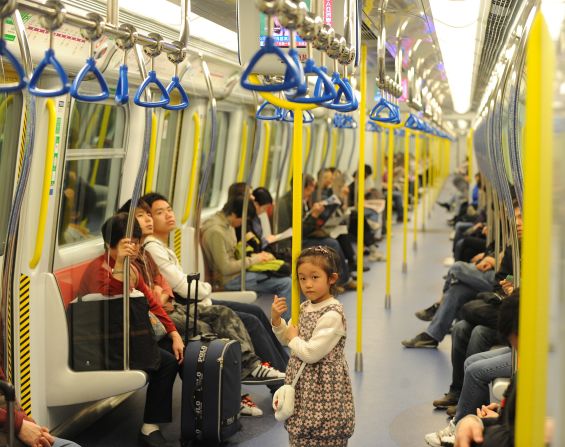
171,269
325,337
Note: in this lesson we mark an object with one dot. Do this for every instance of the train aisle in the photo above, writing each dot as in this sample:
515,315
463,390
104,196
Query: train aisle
394,393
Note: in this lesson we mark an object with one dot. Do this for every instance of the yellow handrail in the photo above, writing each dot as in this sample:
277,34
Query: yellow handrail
101,141
537,239
194,169
416,186
389,177
47,173
407,137
361,206
266,151
334,148
243,159
297,143
382,156
152,154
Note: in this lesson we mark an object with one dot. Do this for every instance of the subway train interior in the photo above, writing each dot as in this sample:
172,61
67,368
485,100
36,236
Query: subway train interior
266,127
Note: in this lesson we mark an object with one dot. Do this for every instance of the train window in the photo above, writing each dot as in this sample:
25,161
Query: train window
93,168
169,122
96,126
212,197
10,116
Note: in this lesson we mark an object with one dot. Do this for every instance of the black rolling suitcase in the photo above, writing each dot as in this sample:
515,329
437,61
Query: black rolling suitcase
7,390
211,386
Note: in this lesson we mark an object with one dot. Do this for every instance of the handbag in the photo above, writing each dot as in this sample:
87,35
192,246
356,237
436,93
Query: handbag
283,399
96,332
482,311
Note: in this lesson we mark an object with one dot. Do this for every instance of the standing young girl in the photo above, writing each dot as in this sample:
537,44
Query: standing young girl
324,414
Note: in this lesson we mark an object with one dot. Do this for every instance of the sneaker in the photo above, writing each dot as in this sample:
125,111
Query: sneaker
428,313
445,437
449,261
451,410
249,408
422,340
264,374
447,400
375,255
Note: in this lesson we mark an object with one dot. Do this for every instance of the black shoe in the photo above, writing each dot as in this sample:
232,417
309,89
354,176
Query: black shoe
445,205
448,400
422,340
154,439
428,313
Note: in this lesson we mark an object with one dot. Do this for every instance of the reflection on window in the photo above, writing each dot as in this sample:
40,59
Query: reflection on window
10,115
90,192
96,126
212,197
167,151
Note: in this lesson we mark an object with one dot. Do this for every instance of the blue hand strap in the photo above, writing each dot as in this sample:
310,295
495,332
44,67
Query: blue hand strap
324,90
122,92
151,79
298,72
90,67
412,122
49,59
184,102
344,91
372,127
308,117
22,81
292,77
344,121
385,112
277,114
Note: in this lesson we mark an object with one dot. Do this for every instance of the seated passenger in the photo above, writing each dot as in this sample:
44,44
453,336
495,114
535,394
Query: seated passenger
219,246
27,431
312,231
463,283
246,323
105,275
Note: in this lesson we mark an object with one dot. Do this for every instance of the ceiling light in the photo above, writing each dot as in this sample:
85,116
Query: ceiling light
553,12
456,24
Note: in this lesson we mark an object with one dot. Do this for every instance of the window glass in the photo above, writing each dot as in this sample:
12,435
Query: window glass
91,180
96,126
212,196
10,116
167,151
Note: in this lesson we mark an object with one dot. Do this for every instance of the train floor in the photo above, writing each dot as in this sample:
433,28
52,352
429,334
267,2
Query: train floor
394,392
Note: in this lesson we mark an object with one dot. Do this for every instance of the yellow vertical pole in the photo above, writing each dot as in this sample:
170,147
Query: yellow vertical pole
297,143
416,186
244,138
537,239
375,155
425,179
152,154
333,154
308,142
194,168
382,155
361,209
389,177
431,174
405,198
266,150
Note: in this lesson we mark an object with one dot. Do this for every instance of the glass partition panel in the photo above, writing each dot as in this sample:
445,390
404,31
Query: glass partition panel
213,192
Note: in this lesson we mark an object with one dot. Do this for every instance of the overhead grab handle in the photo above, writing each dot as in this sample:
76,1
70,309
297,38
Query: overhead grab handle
307,117
151,79
291,14
91,34
262,112
51,23
385,112
7,10
177,58
125,44
371,126
324,90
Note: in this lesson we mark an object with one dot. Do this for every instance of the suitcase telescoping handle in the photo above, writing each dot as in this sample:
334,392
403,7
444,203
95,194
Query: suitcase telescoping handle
9,393
192,277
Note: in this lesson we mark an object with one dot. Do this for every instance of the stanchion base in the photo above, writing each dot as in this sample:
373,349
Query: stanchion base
415,246
387,301
358,362
423,228
404,267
